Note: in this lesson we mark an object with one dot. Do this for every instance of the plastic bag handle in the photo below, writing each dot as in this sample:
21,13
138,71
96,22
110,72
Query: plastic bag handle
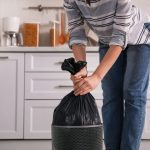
72,66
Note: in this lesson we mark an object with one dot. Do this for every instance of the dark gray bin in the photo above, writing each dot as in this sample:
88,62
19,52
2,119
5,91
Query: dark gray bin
77,137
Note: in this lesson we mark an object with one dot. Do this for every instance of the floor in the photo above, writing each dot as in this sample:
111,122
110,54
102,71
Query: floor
43,145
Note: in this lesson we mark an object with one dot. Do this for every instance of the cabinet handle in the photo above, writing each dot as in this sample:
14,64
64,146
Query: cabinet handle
64,86
59,63
3,57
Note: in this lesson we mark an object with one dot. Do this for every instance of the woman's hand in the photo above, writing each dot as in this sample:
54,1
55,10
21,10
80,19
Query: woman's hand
77,77
86,85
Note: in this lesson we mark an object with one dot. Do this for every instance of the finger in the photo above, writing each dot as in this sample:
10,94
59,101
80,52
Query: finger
78,84
81,73
81,88
82,92
73,77
75,80
86,91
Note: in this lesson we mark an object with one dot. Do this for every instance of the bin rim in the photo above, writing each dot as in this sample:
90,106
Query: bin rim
88,126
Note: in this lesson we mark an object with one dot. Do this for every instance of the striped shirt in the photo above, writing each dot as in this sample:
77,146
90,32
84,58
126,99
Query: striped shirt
116,22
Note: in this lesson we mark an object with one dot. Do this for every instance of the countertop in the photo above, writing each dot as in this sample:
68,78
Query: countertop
58,49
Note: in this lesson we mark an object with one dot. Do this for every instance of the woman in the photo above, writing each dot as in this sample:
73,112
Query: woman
124,37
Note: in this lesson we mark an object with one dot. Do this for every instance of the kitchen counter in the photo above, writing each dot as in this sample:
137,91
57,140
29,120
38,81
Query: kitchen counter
58,49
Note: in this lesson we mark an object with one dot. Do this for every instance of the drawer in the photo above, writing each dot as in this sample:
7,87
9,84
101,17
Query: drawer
51,86
39,116
44,62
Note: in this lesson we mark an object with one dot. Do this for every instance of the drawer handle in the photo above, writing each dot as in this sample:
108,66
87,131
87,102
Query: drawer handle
64,86
59,63
3,57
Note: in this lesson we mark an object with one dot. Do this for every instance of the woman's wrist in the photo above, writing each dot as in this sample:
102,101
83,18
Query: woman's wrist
98,76
79,52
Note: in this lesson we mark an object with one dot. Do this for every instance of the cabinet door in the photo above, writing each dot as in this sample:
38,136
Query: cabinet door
146,132
38,118
148,91
11,95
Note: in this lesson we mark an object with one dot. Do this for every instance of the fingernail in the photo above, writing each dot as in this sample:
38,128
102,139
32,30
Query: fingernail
76,94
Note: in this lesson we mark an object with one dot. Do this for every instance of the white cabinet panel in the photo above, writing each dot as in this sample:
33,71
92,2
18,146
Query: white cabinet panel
11,95
38,118
148,91
99,105
52,61
146,132
51,86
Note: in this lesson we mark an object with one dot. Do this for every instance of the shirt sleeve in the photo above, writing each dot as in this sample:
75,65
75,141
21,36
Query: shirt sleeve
75,23
122,23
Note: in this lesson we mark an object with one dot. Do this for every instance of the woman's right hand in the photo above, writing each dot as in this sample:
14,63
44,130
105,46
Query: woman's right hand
78,76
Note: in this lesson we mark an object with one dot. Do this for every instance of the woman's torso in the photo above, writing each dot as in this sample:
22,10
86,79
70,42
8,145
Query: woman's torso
100,18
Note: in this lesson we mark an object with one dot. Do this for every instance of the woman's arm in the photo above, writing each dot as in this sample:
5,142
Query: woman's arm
108,61
85,85
79,52
75,23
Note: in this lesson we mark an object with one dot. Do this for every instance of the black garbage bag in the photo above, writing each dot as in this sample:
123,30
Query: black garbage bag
76,110
76,122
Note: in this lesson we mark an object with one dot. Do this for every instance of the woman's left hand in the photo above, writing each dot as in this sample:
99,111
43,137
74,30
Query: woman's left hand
86,85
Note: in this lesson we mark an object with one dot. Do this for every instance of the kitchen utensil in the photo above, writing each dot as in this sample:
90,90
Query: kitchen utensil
67,37
62,35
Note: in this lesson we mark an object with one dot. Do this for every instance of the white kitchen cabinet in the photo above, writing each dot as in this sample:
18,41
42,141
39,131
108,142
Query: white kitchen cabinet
45,85
148,92
11,95
38,118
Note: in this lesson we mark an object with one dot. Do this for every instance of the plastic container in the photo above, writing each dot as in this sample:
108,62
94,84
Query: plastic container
31,34
54,33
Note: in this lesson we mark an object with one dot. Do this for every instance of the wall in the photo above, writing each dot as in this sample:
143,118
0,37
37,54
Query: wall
144,4
19,8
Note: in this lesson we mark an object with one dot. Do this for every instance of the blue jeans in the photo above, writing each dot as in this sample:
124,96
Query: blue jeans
124,92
